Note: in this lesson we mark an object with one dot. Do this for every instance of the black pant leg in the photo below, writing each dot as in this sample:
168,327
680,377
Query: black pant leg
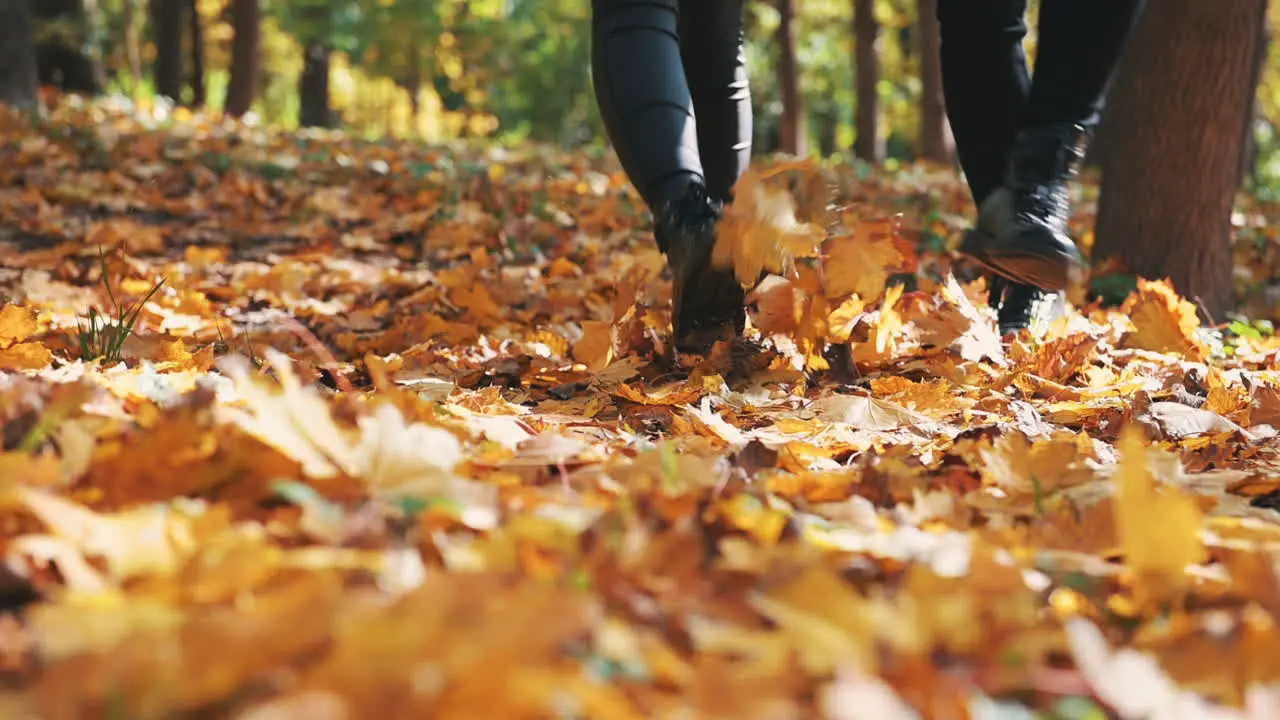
715,62
985,83
1080,44
644,98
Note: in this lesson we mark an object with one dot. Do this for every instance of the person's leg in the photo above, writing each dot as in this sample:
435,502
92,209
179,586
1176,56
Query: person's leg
1080,45
644,98
715,61
985,84
1022,226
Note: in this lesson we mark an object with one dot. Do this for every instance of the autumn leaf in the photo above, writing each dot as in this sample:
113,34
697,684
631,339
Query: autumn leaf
956,324
1162,321
25,356
861,262
595,349
1159,525
403,436
17,323
759,231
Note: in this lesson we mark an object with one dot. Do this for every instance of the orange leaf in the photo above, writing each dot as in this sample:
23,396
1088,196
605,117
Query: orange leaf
25,356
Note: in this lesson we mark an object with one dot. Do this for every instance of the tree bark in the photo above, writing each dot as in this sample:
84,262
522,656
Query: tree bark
19,83
313,87
867,143
936,142
64,54
197,55
166,21
794,138
1172,169
246,20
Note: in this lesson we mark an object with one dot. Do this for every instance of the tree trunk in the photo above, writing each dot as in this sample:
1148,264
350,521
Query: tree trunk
867,143
19,83
197,55
793,120
133,47
828,128
936,142
64,52
246,20
166,23
1177,135
313,87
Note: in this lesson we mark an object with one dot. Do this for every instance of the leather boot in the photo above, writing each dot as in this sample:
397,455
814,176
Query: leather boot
708,303
1021,233
1023,307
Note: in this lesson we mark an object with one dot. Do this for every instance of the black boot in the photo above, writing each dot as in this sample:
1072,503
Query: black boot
1020,307
708,304
1021,231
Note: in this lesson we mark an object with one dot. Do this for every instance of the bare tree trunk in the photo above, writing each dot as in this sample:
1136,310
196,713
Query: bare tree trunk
936,142
166,23
313,87
1172,169
197,55
828,127
246,20
794,138
19,84
867,143
133,46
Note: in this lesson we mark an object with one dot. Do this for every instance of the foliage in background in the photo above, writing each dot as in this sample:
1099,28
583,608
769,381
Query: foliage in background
520,69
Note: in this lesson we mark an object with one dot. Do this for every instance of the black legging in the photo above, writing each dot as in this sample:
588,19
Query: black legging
989,91
671,81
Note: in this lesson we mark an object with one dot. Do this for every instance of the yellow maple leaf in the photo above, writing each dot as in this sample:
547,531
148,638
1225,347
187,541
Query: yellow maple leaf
1159,526
25,356
957,324
862,261
1163,321
885,331
759,231
17,323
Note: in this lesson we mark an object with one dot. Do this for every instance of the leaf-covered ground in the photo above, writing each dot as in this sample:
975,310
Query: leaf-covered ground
400,435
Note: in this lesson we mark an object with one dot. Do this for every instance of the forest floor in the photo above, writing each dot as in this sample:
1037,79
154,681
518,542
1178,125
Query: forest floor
397,433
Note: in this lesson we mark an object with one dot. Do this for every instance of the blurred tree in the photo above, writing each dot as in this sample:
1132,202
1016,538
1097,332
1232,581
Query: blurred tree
322,27
313,86
246,53
166,32
936,143
19,83
66,39
794,138
868,143
197,55
1177,124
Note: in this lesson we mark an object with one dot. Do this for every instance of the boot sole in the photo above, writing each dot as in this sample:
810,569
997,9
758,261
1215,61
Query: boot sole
1052,271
